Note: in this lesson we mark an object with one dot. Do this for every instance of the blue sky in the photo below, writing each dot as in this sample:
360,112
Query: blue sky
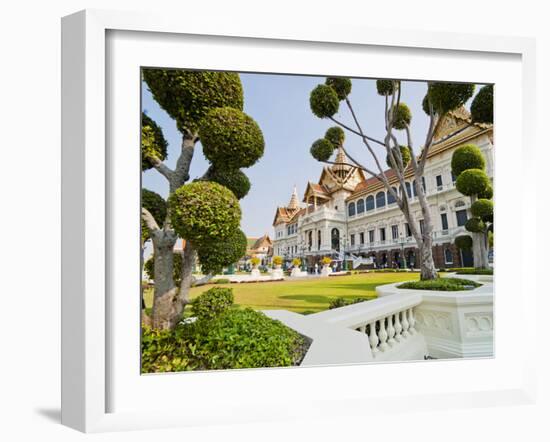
280,105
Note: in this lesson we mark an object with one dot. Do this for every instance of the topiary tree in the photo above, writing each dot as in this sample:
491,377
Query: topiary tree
463,242
468,165
205,213
441,98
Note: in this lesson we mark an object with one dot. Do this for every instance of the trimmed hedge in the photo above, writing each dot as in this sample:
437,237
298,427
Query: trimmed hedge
402,116
341,85
335,135
441,284
342,302
212,303
324,101
321,149
482,105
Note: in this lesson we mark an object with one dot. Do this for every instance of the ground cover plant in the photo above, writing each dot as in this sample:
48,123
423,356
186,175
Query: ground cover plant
441,284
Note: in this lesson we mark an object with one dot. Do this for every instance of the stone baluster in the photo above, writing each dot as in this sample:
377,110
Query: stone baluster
405,323
383,335
391,332
398,327
412,321
373,338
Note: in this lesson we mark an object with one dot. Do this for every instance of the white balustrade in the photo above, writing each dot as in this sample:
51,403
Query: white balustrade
388,331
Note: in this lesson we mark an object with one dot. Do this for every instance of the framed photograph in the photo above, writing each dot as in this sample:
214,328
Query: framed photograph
272,221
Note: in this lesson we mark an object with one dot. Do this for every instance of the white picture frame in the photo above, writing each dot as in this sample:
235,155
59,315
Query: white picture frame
86,215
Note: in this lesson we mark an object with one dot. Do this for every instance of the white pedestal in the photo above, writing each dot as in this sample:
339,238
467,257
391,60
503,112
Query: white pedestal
255,273
325,271
277,274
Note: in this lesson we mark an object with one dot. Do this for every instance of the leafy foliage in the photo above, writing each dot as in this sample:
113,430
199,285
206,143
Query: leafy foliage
342,302
149,267
482,105
335,135
322,149
153,143
324,101
187,96
234,179
475,225
426,105
475,272
440,284
229,340
156,205
487,193
482,208
446,97
277,260
464,242
212,303
405,153
465,157
472,182
326,260
216,254
296,262
402,116
230,138
255,261
203,211
341,85
386,87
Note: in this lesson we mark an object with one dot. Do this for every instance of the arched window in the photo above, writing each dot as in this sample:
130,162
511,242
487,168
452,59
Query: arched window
391,199
370,203
448,256
408,186
380,199
360,206
351,209
335,239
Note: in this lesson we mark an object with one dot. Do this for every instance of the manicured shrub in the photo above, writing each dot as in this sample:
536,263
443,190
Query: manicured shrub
326,260
296,262
464,242
203,211
234,179
153,143
482,105
322,149
149,267
245,339
336,136
255,261
440,284
341,85
156,205
277,260
475,225
230,138
324,101
187,96
483,209
216,254
221,281
449,96
405,156
466,157
342,302
386,87
402,116
212,303
426,105
472,182
487,193
475,272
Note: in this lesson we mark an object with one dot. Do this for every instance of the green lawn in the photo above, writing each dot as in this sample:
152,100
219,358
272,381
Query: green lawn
305,296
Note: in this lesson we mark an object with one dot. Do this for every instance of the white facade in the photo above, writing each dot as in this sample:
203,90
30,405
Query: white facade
347,216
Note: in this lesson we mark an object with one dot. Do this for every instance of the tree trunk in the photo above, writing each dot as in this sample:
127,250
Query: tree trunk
165,289
480,250
427,265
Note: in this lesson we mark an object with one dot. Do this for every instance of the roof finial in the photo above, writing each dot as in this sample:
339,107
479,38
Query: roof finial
293,204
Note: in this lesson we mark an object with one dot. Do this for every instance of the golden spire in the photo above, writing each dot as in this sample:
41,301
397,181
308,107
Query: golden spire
293,204
342,166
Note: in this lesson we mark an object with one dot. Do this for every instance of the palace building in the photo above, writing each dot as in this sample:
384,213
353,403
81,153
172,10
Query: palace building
350,217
